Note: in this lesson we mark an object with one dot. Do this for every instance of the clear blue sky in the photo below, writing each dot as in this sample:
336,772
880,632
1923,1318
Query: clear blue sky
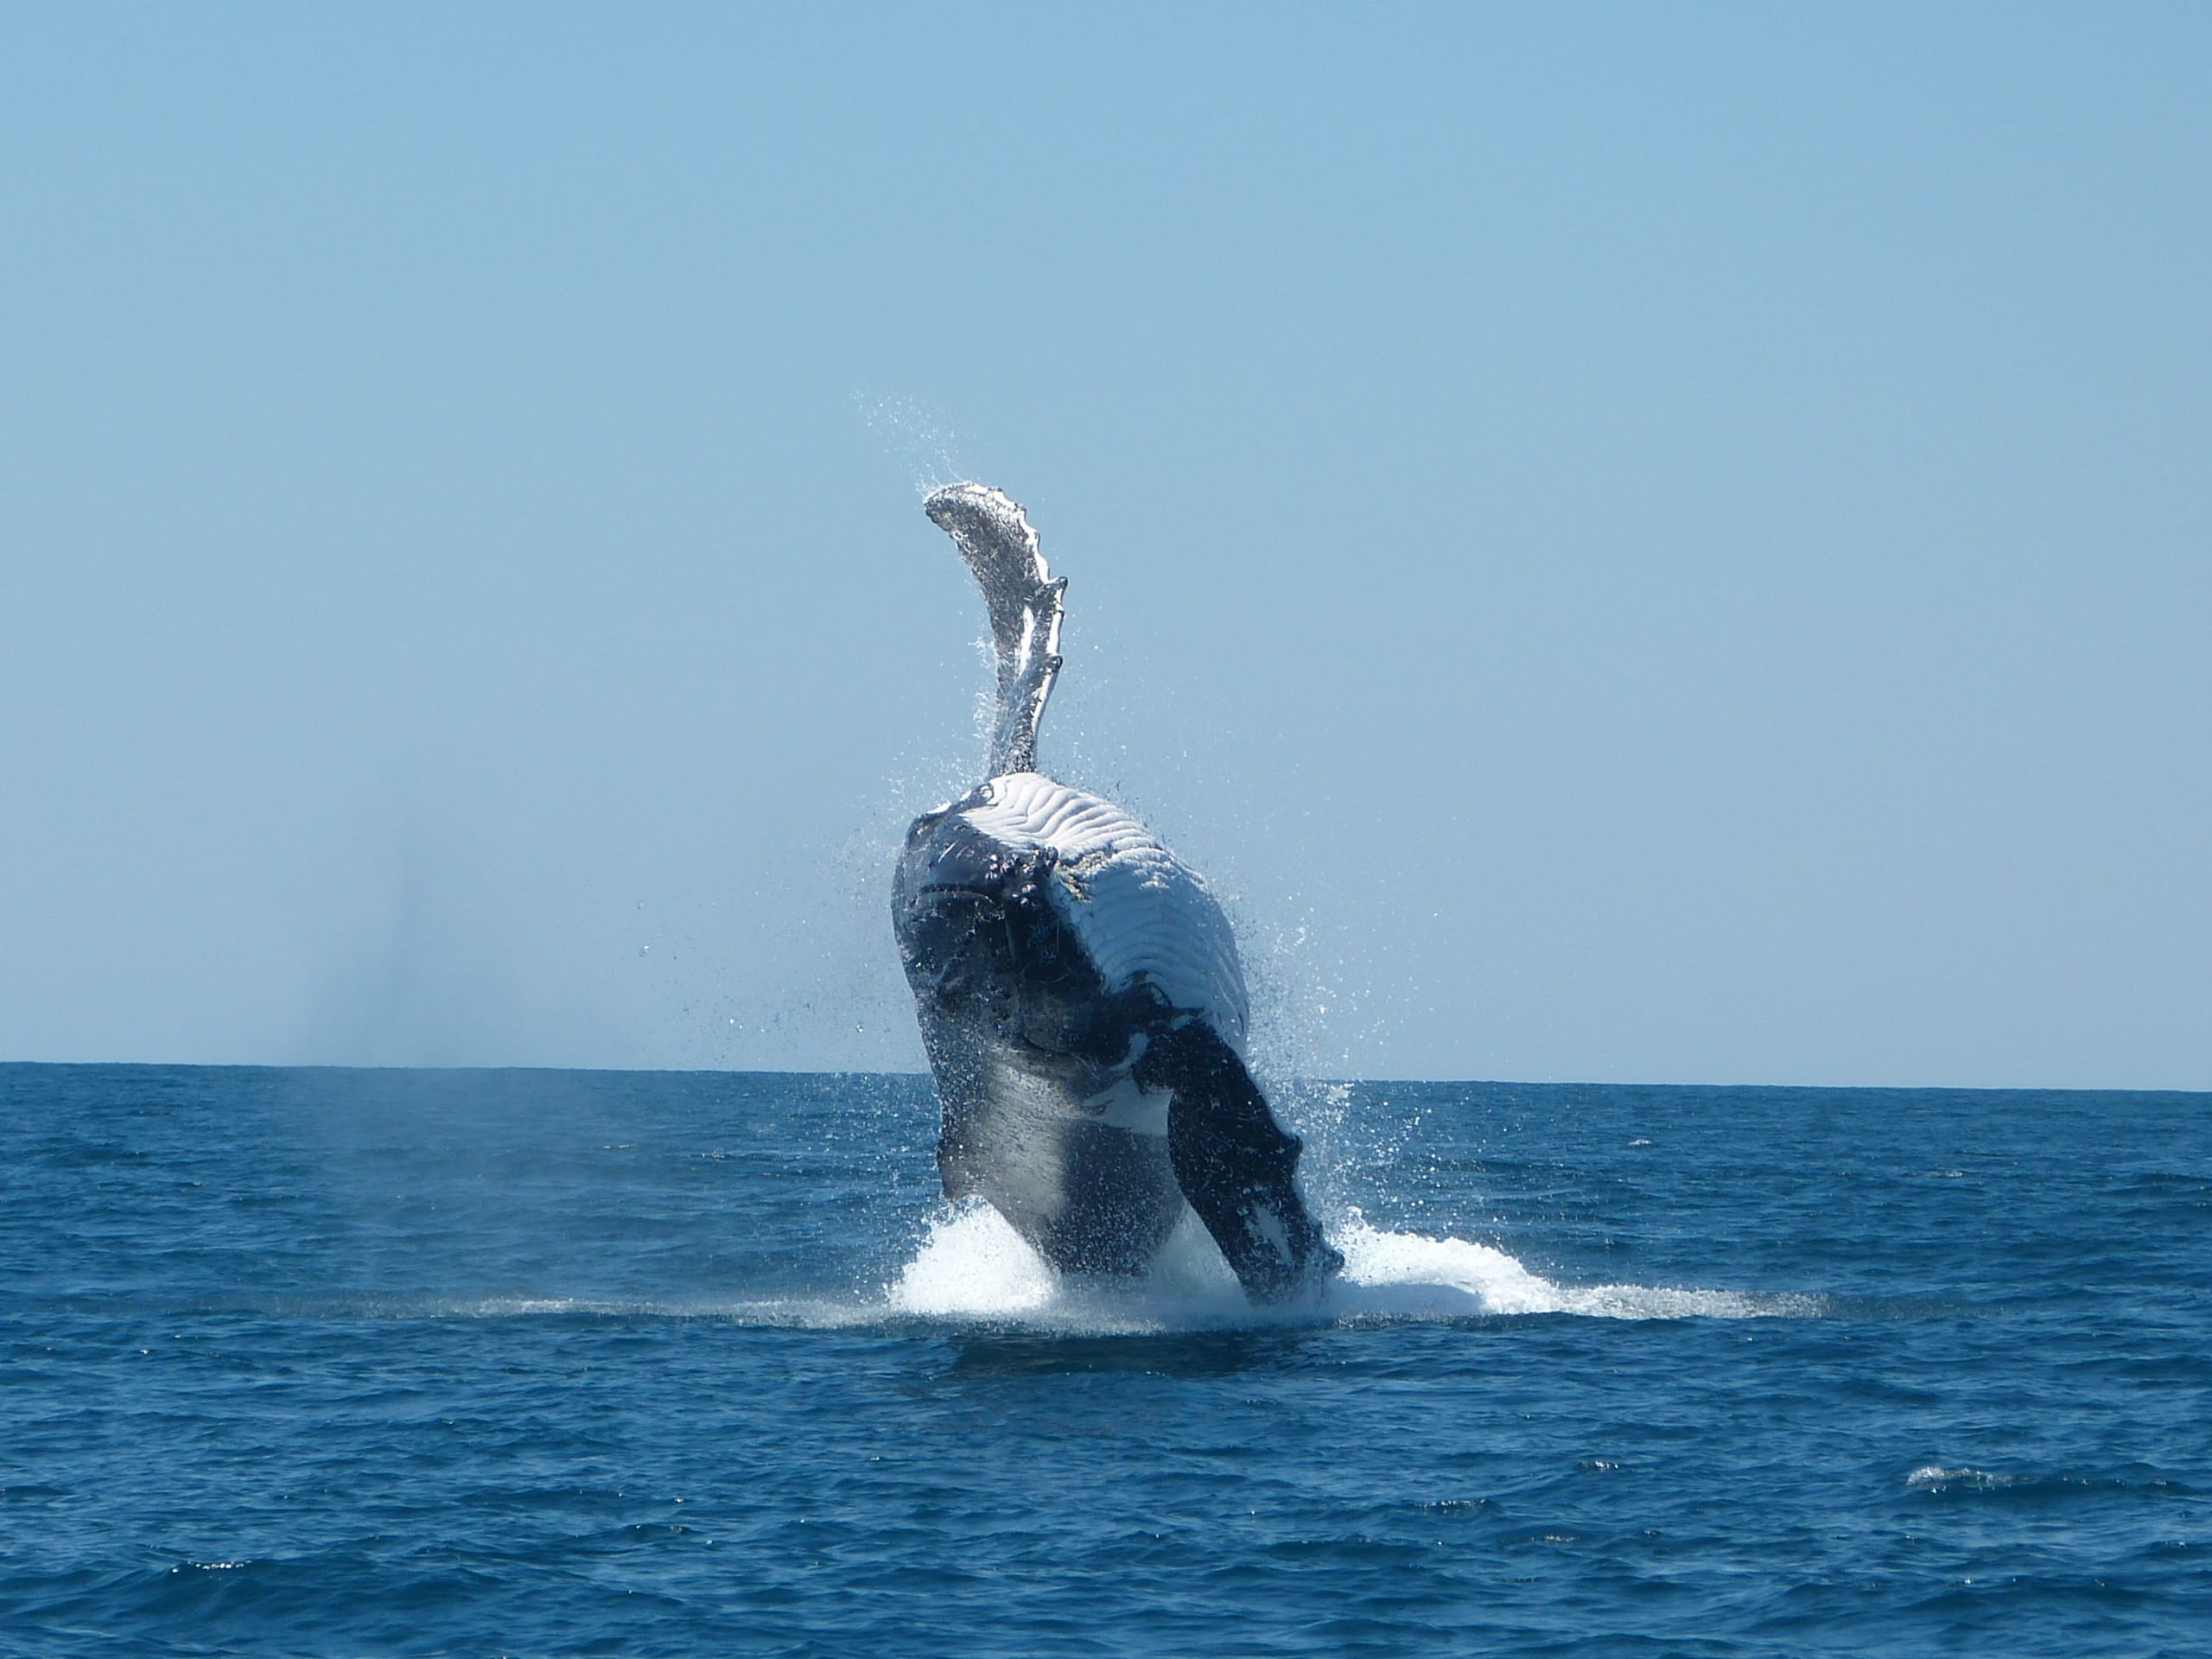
1645,543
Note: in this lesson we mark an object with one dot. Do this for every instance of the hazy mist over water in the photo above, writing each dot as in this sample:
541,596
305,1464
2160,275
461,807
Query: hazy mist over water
1629,544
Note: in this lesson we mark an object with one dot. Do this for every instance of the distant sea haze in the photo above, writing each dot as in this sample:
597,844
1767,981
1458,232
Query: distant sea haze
328,1362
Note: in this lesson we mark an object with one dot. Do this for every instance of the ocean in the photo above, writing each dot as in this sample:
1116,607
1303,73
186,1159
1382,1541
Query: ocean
309,1362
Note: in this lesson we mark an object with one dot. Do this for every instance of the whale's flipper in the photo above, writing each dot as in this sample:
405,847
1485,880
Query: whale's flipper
995,537
1235,1164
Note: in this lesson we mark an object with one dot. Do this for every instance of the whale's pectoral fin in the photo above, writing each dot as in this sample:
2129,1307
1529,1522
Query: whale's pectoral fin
1013,736
1025,598
1234,1163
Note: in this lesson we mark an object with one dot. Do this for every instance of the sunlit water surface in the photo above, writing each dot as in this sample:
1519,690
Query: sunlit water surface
565,1363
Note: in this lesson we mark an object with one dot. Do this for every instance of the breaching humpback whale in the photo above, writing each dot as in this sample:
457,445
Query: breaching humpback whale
1079,992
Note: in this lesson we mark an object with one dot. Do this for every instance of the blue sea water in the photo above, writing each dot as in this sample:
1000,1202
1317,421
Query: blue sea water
344,1363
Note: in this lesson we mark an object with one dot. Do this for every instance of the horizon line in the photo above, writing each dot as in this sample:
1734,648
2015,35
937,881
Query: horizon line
924,1077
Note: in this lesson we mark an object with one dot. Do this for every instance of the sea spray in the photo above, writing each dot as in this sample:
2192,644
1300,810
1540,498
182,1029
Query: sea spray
972,1266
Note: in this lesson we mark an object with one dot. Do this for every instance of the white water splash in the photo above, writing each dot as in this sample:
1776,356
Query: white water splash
972,1269
1408,1276
973,1266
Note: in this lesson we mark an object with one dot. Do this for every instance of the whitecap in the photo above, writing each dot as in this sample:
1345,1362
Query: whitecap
1934,1478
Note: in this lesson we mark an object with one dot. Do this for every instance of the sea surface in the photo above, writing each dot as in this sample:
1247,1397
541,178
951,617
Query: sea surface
538,1362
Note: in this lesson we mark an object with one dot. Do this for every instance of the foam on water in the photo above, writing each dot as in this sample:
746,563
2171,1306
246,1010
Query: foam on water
1412,1275
972,1266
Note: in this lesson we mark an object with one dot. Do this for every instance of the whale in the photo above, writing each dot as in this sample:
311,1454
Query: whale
1078,989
